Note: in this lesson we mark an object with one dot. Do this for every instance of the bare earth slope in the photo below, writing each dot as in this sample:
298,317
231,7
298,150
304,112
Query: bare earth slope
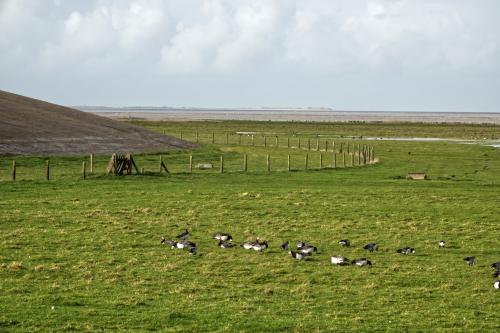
32,127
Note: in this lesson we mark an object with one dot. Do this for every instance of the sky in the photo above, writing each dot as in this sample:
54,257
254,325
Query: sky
414,55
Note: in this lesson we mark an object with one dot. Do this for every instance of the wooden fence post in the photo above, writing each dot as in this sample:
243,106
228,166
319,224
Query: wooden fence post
334,162
265,141
288,142
308,144
47,173
343,159
348,150
221,164
333,146
307,160
268,163
276,141
245,163
326,146
190,163
341,149
14,170
83,170
91,171
213,137
288,162
299,142
352,159
320,160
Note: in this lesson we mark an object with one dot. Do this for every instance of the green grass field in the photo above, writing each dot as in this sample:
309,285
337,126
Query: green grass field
85,255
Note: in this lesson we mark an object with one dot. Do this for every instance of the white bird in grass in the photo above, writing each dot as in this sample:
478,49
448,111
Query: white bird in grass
496,285
339,260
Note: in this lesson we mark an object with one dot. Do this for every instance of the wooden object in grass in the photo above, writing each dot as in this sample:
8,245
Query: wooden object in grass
307,161
268,163
245,165
190,163
91,163
13,170
221,164
47,171
321,161
120,164
416,175
84,173
288,162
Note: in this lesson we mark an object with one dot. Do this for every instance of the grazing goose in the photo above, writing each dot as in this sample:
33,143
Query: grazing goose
496,274
361,262
442,244
183,235
169,242
496,265
185,244
260,246
298,255
345,242
371,247
284,246
248,245
471,260
193,250
226,244
339,260
223,237
496,285
308,249
406,250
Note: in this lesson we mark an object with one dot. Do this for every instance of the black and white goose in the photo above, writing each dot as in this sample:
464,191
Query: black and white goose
193,250
298,255
168,242
260,246
223,236
308,249
471,260
284,246
496,266
185,244
361,262
226,244
496,274
371,247
183,235
345,242
339,260
442,244
248,245
496,284
406,250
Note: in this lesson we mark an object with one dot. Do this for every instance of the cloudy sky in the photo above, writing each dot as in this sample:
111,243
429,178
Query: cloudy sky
345,54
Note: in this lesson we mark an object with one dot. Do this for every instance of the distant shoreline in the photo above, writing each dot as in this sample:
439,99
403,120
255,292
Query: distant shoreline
291,114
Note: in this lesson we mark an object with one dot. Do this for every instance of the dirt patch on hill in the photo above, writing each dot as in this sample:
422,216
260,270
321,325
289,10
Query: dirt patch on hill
32,127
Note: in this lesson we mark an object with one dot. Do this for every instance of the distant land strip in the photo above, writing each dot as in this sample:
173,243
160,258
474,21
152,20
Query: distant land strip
291,114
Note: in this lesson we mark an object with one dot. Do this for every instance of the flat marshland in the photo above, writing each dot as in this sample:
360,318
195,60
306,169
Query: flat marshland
85,255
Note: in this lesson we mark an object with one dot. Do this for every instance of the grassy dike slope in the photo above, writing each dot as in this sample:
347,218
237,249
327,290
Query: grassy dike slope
90,249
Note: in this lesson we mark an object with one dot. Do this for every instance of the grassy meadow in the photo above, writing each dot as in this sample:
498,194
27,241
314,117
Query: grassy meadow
85,255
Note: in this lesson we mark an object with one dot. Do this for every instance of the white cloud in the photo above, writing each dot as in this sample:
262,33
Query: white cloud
233,40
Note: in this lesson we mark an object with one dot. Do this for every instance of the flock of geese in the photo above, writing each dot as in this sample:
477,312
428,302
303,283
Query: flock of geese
304,250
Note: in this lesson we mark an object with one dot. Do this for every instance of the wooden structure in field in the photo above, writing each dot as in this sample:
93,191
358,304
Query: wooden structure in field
121,164
416,175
